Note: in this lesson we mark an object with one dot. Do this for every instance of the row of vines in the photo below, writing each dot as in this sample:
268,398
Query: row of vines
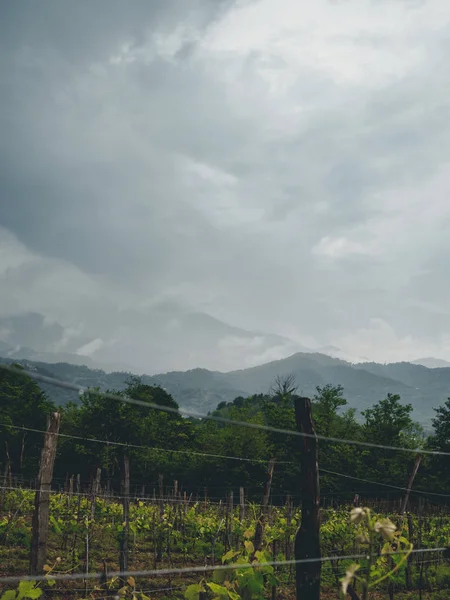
85,538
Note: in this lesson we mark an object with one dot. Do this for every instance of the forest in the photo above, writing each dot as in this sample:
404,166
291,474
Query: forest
142,495
220,457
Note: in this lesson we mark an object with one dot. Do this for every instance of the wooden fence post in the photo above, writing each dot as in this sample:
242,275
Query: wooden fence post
274,557
69,500
410,483
259,531
409,562
161,493
42,497
95,491
241,504
123,563
307,540
95,487
229,520
4,485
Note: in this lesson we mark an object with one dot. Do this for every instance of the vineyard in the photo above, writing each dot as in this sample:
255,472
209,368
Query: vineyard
92,538
176,534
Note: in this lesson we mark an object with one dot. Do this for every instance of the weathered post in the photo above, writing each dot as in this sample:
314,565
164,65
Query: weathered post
241,504
94,492
161,493
4,485
69,499
229,520
274,556
259,531
408,568
123,562
307,540
42,497
289,515
410,483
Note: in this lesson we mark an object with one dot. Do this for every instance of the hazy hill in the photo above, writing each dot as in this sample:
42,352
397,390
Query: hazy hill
431,362
202,390
151,340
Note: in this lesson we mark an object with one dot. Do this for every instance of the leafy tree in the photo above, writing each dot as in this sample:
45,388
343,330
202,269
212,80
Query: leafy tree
107,417
237,441
437,470
24,404
326,403
441,424
196,451
389,423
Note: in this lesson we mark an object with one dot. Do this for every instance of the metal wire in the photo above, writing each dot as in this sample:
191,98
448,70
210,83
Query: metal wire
216,418
395,487
202,569
141,447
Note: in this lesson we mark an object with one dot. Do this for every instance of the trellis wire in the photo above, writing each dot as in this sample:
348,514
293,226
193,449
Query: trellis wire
223,420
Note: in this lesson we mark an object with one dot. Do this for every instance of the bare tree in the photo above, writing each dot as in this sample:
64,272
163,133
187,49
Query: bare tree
284,385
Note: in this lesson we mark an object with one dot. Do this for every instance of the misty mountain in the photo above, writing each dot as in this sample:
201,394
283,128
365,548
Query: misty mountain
157,339
202,389
431,362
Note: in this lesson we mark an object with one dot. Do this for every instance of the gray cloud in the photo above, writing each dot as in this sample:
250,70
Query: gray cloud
281,167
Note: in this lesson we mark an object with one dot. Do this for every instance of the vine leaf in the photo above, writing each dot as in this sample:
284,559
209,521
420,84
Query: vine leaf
220,590
193,591
27,590
249,547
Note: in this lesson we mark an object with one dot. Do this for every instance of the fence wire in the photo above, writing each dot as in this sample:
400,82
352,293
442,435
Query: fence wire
209,417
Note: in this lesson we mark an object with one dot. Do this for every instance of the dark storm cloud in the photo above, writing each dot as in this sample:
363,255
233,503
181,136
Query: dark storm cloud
233,156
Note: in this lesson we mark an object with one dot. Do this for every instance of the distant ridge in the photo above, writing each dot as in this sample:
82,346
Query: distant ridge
202,390
431,362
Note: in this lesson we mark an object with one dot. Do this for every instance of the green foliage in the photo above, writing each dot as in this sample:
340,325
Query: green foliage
195,451
202,390
113,420
387,420
188,534
326,403
22,403
243,580
387,552
441,424
31,589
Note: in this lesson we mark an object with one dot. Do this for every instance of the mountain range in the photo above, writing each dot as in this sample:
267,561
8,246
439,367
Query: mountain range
165,335
159,338
202,390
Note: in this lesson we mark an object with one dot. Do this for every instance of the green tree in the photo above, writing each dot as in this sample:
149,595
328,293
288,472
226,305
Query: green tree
24,404
390,423
437,470
236,441
106,417
326,403
441,424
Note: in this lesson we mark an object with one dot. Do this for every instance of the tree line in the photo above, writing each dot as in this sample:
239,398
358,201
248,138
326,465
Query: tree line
194,452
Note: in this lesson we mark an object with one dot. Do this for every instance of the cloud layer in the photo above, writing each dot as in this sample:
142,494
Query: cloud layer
280,165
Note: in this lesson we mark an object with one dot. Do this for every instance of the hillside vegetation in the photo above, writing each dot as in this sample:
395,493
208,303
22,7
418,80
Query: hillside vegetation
202,390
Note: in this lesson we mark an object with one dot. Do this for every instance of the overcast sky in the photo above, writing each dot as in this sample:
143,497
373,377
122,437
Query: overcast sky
281,165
